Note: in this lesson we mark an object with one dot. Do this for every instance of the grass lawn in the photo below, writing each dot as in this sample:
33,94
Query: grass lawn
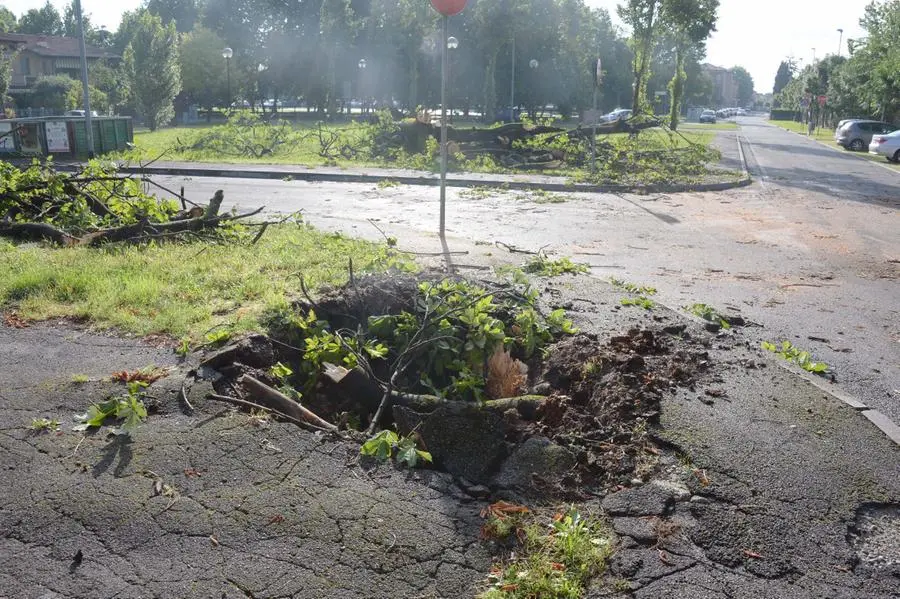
180,289
826,136
303,145
719,126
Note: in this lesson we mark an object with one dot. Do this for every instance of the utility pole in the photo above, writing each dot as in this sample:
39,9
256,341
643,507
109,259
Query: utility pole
840,41
88,124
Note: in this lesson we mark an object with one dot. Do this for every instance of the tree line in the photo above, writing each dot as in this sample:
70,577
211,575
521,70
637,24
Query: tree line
865,83
531,53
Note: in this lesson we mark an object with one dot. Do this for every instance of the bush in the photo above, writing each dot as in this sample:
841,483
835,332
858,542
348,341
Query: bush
53,92
784,115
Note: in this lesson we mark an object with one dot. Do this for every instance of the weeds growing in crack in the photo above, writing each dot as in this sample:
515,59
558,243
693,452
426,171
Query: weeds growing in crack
794,354
551,557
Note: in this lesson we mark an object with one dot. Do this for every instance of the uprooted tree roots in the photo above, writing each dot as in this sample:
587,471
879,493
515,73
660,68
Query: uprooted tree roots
498,392
98,206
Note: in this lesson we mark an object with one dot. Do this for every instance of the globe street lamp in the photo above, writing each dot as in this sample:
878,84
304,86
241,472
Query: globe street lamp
534,64
227,53
260,69
362,64
452,44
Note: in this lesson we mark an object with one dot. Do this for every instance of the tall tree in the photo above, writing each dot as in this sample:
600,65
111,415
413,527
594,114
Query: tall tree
112,81
690,23
641,16
203,70
151,61
783,76
41,21
8,20
744,82
70,25
185,13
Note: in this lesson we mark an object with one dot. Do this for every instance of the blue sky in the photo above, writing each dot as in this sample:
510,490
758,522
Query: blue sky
755,34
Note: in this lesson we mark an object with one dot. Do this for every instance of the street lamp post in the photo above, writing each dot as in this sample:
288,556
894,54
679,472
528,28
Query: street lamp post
88,126
447,8
840,41
512,84
260,69
362,64
534,64
452,44
814,55
227,53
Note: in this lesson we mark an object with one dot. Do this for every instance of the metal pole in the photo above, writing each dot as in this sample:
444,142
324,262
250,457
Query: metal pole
840,42
594,135
512,85
444,69
228,84
88,124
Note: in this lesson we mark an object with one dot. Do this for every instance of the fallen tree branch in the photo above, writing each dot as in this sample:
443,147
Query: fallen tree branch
37,232
281,402
255,406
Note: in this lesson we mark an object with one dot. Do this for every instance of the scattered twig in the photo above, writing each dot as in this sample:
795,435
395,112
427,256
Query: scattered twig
184,398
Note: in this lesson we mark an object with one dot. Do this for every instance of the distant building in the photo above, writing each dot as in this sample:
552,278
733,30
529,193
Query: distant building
36,55
724,86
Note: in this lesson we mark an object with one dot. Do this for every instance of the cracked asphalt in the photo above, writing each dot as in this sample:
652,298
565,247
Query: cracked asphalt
245,511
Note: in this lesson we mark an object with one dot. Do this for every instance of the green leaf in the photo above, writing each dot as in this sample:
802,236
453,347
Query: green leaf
408,455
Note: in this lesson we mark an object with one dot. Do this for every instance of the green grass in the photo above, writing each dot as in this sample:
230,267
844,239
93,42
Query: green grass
178,289
826,136
719,126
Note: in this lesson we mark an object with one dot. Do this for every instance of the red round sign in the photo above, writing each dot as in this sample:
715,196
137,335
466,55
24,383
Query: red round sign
448,8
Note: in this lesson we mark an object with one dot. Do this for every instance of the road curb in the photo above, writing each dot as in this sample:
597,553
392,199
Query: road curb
880,420
429,180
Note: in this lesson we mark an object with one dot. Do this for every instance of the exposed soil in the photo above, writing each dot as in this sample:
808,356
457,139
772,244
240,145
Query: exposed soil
594,397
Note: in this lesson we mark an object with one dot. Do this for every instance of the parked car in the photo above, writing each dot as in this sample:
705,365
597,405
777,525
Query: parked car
886,145
80,113
619,114
856,135
708,116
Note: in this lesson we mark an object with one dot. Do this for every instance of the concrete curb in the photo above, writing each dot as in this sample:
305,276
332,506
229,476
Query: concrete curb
427,179
885,424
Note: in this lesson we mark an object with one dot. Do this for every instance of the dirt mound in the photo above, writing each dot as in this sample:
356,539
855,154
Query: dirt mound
606,395
432,345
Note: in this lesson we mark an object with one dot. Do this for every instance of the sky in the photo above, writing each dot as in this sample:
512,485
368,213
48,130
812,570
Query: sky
754,34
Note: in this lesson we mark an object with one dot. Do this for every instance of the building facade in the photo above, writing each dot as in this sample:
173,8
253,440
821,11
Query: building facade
35,55
724,86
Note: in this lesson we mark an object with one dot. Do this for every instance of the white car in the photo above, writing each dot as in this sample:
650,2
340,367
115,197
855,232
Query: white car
887,145
619,114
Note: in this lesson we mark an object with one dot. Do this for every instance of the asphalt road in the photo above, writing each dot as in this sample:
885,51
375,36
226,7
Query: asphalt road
811,251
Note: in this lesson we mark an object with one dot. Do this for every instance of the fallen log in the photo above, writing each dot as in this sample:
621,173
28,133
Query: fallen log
37,232
354,384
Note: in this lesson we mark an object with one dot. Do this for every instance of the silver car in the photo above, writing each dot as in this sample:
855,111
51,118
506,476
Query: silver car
887,146
856,135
